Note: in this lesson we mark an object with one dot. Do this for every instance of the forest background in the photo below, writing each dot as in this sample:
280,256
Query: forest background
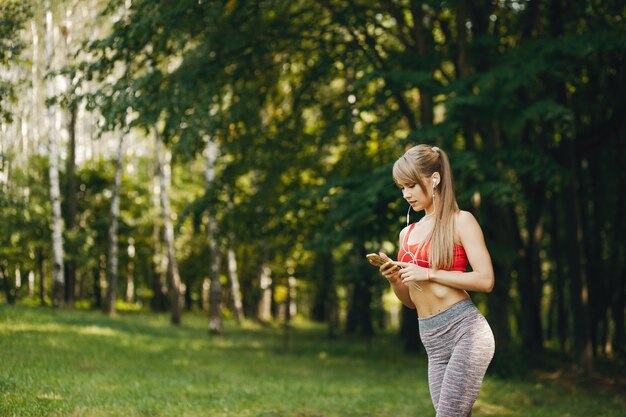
234,157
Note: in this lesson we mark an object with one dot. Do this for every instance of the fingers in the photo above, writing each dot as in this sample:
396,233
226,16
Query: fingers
411,282
403,271
372,262
389,271
408,274
404,275
389,266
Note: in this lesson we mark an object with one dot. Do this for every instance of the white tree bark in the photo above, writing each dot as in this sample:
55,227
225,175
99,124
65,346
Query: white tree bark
35,119
172,267
130,275
265,283
112,260
206,286
215,290
292,284
233,274
234,283
31,284
53,155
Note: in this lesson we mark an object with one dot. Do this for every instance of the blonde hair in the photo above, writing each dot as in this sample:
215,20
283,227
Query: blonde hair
411,168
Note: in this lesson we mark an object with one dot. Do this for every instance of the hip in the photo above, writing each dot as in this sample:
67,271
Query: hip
460,321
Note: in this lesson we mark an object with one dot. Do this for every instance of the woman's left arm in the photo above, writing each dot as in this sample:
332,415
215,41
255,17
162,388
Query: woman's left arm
479,279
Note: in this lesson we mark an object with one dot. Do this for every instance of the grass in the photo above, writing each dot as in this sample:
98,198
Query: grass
80,363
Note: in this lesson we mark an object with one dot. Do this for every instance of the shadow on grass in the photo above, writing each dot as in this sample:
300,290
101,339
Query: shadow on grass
308,340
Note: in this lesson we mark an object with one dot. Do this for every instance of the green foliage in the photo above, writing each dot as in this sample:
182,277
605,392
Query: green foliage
25,212
13,16
311,102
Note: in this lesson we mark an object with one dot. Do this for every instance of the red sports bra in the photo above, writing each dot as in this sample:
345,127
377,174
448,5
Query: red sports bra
409,253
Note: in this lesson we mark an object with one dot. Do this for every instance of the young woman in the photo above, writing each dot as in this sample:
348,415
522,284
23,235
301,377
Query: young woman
430,276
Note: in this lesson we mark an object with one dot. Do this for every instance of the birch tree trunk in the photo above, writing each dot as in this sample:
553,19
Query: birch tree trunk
265,284
36,77
159,261
55,193
130,275
215,290
265,303
70,215
112,259
233,274
234,283
204,297
172,266
31,283
293,296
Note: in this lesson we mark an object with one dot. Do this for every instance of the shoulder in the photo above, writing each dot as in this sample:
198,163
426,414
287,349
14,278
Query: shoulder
467,227
464,219
403,232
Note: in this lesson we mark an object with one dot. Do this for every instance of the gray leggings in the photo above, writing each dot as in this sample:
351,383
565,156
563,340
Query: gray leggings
460,346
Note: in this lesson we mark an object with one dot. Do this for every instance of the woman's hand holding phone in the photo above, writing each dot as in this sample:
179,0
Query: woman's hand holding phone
385,266
389,269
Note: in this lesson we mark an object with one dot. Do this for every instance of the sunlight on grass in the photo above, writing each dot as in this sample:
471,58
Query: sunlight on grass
98,331
57,328
34,328
49,396
488,409
80,363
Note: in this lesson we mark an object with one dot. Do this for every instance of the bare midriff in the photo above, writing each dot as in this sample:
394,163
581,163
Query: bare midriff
434,297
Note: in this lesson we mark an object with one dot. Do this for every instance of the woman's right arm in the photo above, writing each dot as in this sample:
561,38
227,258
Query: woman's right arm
390,271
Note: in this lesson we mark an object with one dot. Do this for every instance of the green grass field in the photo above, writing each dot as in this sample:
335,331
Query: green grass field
80,363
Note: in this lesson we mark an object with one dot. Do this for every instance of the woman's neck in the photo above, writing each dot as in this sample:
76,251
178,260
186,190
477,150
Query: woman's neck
427,215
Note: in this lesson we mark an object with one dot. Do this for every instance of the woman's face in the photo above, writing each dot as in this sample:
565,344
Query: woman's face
415,196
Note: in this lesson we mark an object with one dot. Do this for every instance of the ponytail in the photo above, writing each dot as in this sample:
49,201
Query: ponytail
441,250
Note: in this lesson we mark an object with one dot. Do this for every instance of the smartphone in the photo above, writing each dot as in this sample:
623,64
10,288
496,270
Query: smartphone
376,260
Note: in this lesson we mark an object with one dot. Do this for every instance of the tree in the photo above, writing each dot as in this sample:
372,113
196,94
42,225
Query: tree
58,275
112,258
215,291
309,103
